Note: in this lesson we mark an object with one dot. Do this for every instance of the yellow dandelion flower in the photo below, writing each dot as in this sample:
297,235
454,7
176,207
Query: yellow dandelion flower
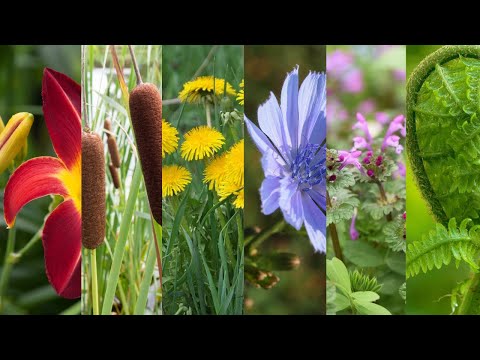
169,138
235,163
215,172
239,201
227,188
201,142
204,87
240,94
174,179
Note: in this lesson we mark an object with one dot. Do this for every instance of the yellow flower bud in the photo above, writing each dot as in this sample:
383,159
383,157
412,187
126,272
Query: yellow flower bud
13,138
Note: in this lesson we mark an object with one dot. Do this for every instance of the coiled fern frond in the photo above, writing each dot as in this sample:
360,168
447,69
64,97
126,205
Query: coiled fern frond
441,245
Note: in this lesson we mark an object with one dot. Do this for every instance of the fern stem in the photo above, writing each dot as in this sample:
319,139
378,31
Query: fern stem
332,228
471,300
383,196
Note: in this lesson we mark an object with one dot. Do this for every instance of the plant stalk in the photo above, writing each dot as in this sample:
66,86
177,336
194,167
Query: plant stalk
135,65
471,300
209,115
7,264
334,234
383,196
93,264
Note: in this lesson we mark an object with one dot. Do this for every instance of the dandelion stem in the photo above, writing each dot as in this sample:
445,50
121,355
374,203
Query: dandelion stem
334,234
93,264
135,65
206,61
209,115
7,264
383,196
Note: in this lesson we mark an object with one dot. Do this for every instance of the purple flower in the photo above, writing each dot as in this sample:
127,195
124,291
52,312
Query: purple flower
338,62
397,124
363,125
350,158
366,106
381,117
353,232
370,173
400,74
402,170
352,82
335,110
291,139
379,160
360,142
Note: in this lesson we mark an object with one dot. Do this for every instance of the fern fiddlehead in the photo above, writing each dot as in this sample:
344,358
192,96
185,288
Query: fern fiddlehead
443,131
443,145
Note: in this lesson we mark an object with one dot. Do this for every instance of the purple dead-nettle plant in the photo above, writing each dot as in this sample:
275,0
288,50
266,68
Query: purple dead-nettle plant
291,139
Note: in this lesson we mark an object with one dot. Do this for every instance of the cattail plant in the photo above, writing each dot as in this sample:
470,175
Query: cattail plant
93,190
146,114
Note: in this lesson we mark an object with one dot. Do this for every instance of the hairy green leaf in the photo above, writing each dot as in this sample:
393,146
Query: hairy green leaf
343,204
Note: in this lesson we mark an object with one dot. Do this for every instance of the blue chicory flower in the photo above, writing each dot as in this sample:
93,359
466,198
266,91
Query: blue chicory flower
292,141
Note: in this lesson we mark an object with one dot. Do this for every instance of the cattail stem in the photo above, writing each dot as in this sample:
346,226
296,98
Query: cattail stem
84,94
135,65
93,264
207,112
334,234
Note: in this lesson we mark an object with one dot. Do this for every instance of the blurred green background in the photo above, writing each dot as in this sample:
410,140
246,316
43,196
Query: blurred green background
426,293
21,72
301,291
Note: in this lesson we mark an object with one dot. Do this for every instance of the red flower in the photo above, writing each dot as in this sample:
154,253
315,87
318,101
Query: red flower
46,175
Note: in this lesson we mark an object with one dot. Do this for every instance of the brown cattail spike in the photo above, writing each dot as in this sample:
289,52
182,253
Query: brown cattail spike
113,150
146,112
93,191
115,177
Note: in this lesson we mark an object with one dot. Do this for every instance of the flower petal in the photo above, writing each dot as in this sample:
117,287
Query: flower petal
272,164
290,202
259,138
270,193
62,243
289,104
13,138
271,123
312,101
33,179
315,223
61,108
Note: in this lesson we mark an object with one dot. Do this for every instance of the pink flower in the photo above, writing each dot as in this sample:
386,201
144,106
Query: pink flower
338,62
367,106
353,232
402,171
399,74
381,117
352,82
363,125
397,124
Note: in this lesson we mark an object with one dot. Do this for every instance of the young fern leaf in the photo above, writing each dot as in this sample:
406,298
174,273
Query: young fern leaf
438,248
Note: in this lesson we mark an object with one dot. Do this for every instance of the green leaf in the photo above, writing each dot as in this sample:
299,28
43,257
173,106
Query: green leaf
441,245
369,308
396,262
341,302
367,296
338,274
343,204
363,254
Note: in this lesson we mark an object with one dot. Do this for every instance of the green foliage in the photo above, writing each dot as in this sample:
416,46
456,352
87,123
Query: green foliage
443,130
359,302
395,234
403,291
363,282
441,244
342,206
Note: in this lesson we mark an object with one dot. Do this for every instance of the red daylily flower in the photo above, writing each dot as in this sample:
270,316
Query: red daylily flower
46,175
